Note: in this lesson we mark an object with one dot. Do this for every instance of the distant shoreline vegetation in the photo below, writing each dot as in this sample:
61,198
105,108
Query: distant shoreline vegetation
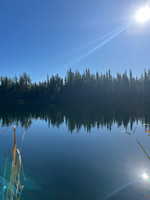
76,88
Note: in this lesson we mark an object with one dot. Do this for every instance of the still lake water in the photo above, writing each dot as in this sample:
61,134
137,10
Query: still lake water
78,153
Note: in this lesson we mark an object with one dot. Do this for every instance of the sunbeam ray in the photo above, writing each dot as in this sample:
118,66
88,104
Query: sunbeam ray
118,190
96,40
115,33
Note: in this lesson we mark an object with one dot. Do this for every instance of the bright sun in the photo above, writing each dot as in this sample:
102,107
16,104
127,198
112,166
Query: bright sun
143,14
145,176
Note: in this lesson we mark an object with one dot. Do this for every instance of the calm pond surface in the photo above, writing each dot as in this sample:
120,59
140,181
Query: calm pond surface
80,153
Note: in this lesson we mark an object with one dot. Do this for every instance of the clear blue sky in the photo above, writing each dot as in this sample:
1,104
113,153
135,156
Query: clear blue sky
49,36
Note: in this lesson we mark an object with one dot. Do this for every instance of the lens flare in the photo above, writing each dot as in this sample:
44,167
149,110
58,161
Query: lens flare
145,176
143,14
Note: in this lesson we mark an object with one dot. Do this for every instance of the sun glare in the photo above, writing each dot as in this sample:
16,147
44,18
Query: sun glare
145,176
143,14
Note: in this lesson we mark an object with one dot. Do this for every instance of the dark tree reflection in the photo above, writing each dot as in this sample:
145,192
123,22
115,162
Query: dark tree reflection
77,116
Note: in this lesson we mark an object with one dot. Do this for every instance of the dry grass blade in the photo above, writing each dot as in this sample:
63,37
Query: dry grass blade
5,130
143,149
5,172
14,189
134,130
19,186
147,130
10,190
26,127
126,132
15,146
131,134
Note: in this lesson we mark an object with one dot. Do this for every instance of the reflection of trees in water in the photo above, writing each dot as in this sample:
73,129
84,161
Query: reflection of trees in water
77,116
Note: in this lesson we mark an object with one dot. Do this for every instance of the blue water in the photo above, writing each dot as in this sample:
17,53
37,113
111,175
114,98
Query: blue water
92,165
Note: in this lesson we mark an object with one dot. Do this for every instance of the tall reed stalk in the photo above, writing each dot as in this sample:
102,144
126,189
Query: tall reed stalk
138,142
14,189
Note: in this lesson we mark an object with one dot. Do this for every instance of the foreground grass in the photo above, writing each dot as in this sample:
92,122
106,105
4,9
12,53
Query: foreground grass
13,189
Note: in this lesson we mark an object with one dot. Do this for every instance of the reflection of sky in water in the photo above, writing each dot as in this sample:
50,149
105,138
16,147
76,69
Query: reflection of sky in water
100,164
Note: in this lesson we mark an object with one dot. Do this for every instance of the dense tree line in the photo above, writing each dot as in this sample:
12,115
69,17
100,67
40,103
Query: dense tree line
76,87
